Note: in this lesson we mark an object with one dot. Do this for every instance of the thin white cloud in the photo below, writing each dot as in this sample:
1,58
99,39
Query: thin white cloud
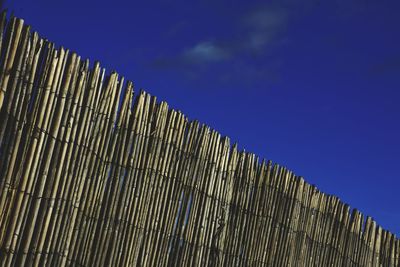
266,19
252,33
263,26
205,52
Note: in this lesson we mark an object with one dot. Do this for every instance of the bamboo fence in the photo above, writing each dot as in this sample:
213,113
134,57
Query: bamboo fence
93,175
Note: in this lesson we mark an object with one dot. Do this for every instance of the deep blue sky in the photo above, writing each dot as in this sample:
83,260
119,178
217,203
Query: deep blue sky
313,85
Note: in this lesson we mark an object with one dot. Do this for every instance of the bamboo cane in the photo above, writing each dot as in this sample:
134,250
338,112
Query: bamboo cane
15,33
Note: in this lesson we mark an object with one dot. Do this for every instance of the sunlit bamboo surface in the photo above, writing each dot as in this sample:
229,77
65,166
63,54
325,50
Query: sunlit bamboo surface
92,174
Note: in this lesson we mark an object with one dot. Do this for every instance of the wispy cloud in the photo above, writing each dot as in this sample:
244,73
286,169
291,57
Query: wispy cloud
264,27
205,52
252,34
200,54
